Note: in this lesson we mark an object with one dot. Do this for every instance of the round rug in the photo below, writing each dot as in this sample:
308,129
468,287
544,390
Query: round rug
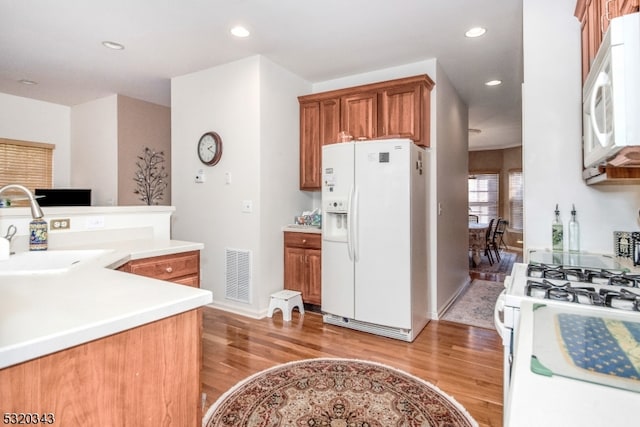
335,393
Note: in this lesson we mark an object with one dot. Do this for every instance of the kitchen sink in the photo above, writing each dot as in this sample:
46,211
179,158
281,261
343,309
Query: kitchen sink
46,262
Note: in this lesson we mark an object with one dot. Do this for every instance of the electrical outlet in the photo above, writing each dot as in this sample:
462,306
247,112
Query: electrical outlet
60,224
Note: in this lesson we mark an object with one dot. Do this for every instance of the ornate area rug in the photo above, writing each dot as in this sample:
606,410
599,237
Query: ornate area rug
503,266
475,306
335,393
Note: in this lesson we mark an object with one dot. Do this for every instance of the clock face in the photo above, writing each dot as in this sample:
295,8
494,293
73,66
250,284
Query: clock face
210,148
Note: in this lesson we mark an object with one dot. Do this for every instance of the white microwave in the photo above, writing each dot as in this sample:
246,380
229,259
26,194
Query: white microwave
611,93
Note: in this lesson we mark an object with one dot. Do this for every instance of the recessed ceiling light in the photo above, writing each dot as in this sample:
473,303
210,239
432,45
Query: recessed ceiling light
240,31
112,45
493,82
28,82
475,32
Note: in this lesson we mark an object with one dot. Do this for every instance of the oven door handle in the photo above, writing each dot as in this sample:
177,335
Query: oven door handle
499,309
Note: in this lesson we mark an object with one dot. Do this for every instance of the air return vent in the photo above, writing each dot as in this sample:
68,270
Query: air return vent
238,274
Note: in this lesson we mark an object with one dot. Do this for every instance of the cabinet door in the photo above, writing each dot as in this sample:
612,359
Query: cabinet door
592,25
310,143
329,121
359,114
400,112
319,125
294,269
623,7
313,290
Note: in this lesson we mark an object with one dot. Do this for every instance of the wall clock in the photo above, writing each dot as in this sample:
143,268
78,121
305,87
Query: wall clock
210,148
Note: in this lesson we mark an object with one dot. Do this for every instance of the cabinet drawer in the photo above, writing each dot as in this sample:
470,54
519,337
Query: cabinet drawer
302,240
167,267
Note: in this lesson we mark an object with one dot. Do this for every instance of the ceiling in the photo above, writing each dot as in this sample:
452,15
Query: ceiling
58,45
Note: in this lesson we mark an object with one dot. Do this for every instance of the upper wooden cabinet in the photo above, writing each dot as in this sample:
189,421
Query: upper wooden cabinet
395,108
359,116
400,112
594,17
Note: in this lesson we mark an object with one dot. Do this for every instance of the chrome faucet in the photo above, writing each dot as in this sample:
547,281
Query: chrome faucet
36,211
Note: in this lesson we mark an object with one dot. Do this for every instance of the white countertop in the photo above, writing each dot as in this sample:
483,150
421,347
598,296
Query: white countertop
537,400
302,229
44,313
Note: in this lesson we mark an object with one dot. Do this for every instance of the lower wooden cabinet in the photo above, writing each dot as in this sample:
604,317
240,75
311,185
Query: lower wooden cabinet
302,255
145,376
183,268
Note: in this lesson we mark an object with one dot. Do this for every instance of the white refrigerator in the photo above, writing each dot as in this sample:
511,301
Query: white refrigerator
374,237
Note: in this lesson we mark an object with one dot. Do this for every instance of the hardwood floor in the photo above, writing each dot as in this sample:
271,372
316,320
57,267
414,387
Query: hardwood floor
463,361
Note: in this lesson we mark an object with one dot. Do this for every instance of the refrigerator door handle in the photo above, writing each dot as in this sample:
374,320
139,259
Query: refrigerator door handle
349,228
353,224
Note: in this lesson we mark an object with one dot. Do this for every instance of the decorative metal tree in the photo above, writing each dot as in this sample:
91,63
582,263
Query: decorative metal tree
151,177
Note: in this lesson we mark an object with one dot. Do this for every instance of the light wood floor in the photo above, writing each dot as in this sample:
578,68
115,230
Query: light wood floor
463,361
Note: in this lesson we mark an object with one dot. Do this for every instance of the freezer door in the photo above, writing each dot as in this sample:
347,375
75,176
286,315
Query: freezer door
382,230
337,264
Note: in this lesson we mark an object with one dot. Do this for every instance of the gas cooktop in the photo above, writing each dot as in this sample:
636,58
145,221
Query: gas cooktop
616,289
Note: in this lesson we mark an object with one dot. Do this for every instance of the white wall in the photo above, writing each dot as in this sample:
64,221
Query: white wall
94,149
252,104
552,137
450,184
280,195
30,120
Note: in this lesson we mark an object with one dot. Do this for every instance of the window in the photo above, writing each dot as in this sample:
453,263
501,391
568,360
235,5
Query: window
26,163
483,196
515,200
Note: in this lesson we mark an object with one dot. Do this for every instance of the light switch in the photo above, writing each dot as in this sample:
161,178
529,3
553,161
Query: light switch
227,178
94,222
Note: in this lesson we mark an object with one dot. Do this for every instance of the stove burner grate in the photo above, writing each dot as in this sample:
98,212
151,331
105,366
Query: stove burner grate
577,274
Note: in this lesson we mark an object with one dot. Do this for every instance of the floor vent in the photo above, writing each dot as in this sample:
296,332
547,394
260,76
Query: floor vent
238,274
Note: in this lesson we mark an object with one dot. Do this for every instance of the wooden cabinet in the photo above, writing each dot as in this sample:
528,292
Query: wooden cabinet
143,376
302,267
624,7
319,125
359,115
594,17
183,268
400,112
394,108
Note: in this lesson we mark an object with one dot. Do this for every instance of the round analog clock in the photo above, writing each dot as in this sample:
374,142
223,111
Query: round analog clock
210,148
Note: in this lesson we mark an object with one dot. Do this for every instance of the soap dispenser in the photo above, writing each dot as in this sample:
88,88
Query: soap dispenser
556,232
38,235
574,232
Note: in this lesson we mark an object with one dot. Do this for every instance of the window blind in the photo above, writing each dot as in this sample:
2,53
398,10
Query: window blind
515,200
483,195
26,163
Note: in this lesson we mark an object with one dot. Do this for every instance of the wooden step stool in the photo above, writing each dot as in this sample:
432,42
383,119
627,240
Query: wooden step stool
286,300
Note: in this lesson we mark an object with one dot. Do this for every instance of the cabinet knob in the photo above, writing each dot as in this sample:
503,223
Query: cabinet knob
169,270
304,240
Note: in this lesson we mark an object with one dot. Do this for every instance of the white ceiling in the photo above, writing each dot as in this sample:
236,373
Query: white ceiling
58,44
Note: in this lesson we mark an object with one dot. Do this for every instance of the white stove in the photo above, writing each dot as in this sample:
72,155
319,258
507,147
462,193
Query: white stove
588,283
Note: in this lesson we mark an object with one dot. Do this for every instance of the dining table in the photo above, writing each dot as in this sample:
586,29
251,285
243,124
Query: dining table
477,240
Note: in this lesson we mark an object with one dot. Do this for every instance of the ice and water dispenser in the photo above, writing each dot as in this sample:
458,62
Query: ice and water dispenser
335,220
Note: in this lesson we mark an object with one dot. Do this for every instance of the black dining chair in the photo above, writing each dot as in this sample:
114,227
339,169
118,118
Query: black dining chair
487,246
496,236
473,218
